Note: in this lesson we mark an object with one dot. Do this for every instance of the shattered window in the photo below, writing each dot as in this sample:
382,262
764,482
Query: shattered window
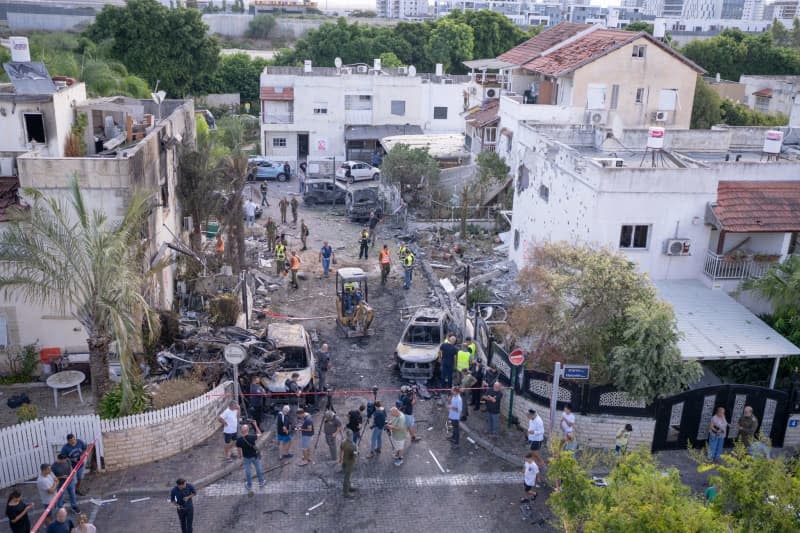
523,178
419,334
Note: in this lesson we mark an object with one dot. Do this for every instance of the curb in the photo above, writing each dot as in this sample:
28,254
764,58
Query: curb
491,448
203,481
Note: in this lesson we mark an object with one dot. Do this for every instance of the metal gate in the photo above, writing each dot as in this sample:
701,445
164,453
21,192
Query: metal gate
686,417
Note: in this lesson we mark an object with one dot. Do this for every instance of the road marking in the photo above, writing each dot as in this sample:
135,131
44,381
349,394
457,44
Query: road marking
320,484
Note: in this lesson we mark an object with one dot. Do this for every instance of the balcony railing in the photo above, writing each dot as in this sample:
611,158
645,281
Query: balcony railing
730,267
278,118
358,117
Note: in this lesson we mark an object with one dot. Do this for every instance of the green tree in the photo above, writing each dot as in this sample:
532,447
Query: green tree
239,73
390,60
573,502
493,32
170,46
408,168
492,169
260,27
65,255
648,363
363,13
640,25
706,109
780,35
451,43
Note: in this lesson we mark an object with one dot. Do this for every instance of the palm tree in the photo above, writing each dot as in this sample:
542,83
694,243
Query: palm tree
62,254
780,285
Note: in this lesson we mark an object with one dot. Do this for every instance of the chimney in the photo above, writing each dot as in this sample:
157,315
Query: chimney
20,51
439,69
307,66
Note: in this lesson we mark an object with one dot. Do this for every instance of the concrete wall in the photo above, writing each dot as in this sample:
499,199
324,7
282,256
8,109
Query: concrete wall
164,438
47,22
235,25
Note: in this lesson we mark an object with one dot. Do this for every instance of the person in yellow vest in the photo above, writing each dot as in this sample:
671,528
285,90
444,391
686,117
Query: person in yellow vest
364,241
462,358
402,252
386,263
473,349
294,265
280,256
349,292
408,269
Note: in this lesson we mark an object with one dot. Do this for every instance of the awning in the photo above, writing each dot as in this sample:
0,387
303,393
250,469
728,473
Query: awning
277,94
756,206
487,64
764,92
371,133
439,146
484,115
715,326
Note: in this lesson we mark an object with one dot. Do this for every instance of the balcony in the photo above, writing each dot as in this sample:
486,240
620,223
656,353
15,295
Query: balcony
720,267
278,118
513,106
358,117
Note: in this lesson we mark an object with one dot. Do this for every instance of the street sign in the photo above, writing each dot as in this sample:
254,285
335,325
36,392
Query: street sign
516,357
235,354
575,372
793,422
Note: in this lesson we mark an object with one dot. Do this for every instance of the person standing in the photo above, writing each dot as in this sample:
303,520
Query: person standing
251,457
408,269
62,524
47,485
447,359
284,428
454,415
250,212
386,263
473,349
17,513
363,240
294,266
408,400
398,428
475,393
229,420
263,187
402,252
84,526
347,458
332,427
61,469
293,204
181,497
73,449
621,442
293,394
303,234
355,421
325,256
535,435
258,395
282,205
463,358
378,426
374,218
493,398
466,384
287,170
280,257
323,366
530,472
568,424
272,229
748,425
306,434
717,431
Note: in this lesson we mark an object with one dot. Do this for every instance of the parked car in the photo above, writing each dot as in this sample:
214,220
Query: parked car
358,171
261,169
294,343
359,203
418,348
323,191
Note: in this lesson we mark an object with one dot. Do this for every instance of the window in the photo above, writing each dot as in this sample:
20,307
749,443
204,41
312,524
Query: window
399,107
440,113
34,127
634,236
320,109
614,96
365,98
544,193
279,142
762,104
640,95
523,178
490,135
596,96
639,51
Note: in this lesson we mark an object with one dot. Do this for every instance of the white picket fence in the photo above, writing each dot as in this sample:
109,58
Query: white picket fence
24,447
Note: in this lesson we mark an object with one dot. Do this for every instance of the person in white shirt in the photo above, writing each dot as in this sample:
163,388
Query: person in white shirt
535,435
47,485
250,211
567,421
529,473
454,414
229,419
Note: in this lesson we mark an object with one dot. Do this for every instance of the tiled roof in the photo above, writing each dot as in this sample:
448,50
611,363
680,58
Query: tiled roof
281,94
764,92
484,115
532,48
758,206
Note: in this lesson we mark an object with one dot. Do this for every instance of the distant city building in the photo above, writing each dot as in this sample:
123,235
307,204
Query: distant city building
402,9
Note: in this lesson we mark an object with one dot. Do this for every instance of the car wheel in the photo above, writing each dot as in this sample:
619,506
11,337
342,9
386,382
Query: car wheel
281,177
376,176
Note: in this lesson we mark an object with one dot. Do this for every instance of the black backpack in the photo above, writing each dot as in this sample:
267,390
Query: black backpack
17,400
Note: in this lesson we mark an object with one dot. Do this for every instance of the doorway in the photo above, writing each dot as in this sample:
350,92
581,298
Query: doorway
302,146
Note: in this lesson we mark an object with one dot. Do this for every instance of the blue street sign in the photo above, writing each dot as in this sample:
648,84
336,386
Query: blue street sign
575,372
793,423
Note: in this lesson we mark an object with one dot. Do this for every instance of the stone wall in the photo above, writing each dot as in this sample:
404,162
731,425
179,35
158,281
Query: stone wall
164,437
594,431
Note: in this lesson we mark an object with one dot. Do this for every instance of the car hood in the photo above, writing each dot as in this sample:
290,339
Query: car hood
276,384
417,353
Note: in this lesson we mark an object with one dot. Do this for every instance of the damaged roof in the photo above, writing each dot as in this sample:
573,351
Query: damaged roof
10,204
484,115
524,52
758,206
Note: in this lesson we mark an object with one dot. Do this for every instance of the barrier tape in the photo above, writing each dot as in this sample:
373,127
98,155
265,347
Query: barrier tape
350,392
60,492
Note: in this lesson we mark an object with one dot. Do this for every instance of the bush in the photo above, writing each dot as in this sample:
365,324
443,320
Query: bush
22,366
260,27
27,412
175,391
111,404
479,294
224,311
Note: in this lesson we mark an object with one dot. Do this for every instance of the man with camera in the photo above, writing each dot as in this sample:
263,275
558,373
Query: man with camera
408,399
355,421
378,426
397,429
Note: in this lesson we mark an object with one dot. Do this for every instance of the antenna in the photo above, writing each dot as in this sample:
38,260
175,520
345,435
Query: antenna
337,62
158,98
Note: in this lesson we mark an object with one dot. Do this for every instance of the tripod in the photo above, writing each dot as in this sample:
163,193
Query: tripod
328,407
370,412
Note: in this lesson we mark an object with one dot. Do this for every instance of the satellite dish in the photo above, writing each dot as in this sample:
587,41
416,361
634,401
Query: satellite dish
338,62
412,71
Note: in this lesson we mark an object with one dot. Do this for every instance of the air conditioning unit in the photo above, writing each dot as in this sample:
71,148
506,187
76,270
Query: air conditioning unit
188,224
491,93
677,247
661,116
402,70
362,69
595,118
609,162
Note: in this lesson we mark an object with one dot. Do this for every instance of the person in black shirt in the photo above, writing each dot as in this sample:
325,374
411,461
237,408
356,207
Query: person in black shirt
475,393
181,497
408,399
447,357
250,456
493,398
355,421
293,396
256,399
17,513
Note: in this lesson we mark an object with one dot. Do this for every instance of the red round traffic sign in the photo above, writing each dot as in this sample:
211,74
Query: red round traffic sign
516,357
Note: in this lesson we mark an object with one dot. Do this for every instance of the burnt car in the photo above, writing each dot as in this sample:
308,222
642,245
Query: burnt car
418,349
294,345
359,203
323,191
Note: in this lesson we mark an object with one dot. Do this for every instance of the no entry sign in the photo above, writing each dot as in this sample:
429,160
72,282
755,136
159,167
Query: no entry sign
516,357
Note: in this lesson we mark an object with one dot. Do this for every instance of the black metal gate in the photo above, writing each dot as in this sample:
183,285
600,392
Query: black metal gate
686,417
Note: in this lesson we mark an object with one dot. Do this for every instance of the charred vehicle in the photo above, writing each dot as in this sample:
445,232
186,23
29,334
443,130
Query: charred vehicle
359,203
418,349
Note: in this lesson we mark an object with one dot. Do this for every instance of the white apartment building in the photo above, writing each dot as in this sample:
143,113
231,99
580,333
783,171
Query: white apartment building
316,114
773,94
402,9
